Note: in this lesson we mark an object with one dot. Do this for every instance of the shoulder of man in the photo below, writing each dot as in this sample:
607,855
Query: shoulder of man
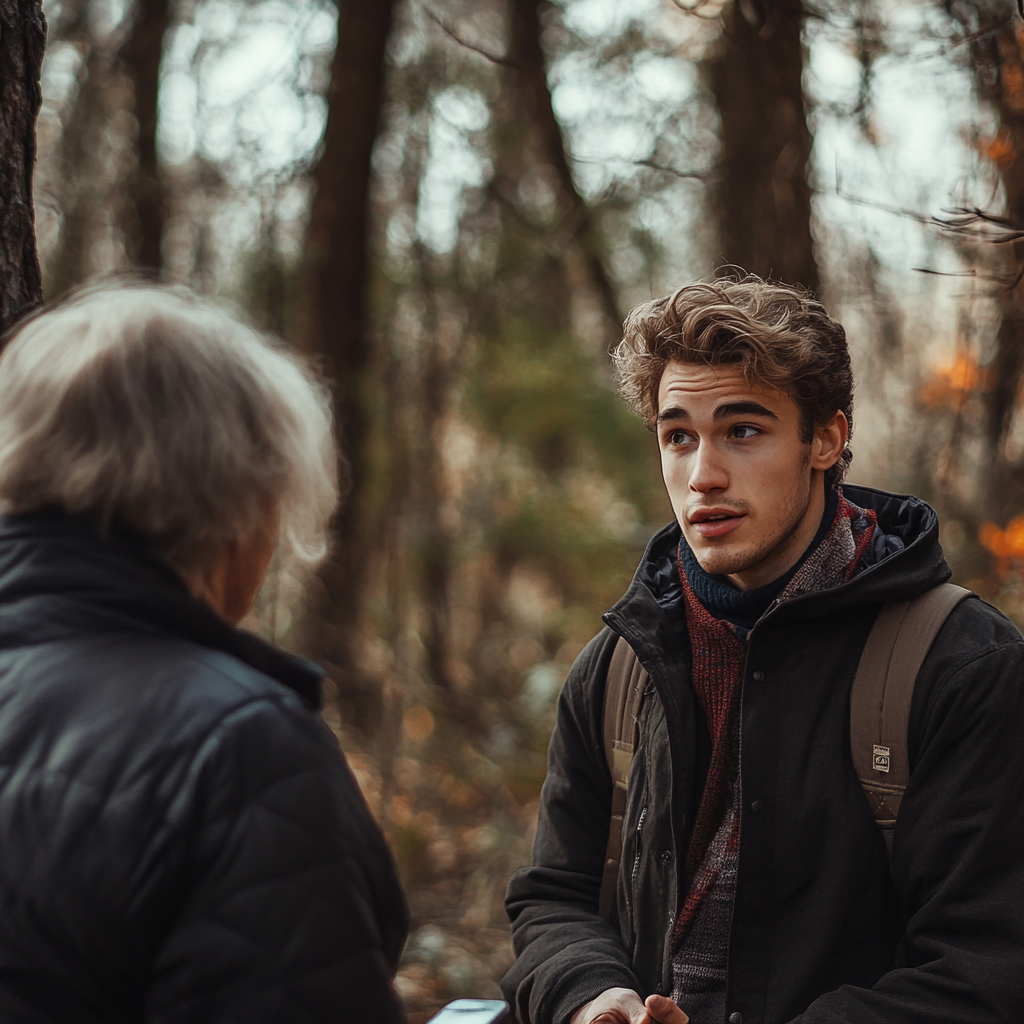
977,657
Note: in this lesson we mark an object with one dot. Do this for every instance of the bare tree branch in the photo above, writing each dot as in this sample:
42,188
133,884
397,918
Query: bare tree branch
945,273
972,223
452,34
1006,283
695,9
899,211
696,175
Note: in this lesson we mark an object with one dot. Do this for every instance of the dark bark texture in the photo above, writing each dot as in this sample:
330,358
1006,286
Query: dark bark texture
334,313
761,198
999,67
992,28
535,132
82,154
22,41
140,57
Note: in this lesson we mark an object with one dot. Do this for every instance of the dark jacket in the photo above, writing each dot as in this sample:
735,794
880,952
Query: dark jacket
821,932
180,837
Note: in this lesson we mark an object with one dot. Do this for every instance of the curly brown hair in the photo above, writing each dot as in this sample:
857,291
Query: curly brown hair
780,335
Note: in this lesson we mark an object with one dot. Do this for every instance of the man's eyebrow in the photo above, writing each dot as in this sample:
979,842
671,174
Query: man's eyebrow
675,413
743,409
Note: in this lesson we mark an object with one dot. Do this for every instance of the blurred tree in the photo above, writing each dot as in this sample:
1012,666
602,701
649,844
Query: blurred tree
760,196
994,34
333,315
84,190
140,56
531,146
994,48
22,41
112,188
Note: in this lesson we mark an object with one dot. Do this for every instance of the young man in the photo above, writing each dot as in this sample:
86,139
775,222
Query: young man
754,886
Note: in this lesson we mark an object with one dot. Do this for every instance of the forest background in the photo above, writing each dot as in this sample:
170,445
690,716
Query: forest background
450,205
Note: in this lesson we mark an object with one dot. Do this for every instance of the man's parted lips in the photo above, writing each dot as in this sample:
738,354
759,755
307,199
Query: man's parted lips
702,515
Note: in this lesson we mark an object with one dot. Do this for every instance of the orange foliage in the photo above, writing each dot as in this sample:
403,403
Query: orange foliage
1013,86
1000,149
1007,545
951,382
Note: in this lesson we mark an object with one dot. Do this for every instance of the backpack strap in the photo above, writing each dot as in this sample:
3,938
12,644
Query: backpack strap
882,691
623,692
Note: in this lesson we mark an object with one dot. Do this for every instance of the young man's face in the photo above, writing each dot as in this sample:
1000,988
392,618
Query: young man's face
746,488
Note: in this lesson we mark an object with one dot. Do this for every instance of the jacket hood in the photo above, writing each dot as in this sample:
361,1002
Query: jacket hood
909,562
60,575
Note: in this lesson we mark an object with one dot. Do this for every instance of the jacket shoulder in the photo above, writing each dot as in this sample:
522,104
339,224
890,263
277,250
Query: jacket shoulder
232,680
209,699
975,669
974,629
209,682
127,703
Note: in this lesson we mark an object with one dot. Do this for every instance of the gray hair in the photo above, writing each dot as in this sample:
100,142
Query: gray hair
151,410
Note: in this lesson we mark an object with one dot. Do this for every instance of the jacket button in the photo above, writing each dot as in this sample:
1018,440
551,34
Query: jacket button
735,1018
666,856
757,806
759,676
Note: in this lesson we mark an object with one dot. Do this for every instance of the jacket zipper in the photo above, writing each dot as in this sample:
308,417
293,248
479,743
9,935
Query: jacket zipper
636,855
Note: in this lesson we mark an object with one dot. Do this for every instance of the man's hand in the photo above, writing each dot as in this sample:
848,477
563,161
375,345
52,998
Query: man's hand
623,1006
661,1010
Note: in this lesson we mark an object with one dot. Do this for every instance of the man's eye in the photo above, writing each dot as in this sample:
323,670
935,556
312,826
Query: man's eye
678,437
745,432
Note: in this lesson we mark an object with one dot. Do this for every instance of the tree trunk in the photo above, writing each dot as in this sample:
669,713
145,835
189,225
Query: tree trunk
761,199
86,193
334,312
22,41
140,57
999,67
998,63
532,119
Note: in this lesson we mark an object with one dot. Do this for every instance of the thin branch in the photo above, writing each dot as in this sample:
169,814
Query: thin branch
1005,283
452,34
961,220
696,175
695,8
885,208
985,30
964,221
971,220
945,273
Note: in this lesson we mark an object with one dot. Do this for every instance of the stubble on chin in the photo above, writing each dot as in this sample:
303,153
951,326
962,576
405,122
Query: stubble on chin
723,562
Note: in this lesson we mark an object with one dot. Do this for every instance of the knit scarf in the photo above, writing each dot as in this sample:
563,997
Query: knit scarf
719,652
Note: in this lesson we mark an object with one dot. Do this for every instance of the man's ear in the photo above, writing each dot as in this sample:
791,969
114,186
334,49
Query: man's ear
829,441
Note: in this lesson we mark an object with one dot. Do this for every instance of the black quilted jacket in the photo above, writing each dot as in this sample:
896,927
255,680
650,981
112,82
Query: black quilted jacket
180,838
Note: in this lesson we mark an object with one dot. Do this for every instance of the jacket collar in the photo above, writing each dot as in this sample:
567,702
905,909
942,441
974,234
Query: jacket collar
647,616
61,575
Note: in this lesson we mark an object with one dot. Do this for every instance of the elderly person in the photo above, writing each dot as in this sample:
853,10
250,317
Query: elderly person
180,837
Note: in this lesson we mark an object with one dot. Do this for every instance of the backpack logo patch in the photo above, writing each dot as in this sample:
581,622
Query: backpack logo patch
880,758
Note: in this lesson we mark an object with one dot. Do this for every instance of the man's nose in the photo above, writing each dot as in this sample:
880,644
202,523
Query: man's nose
707,471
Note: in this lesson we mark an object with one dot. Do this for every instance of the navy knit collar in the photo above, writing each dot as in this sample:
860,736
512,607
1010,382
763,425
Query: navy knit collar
744,607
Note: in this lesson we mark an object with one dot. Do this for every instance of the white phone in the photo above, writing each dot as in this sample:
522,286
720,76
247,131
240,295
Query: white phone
472,1011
